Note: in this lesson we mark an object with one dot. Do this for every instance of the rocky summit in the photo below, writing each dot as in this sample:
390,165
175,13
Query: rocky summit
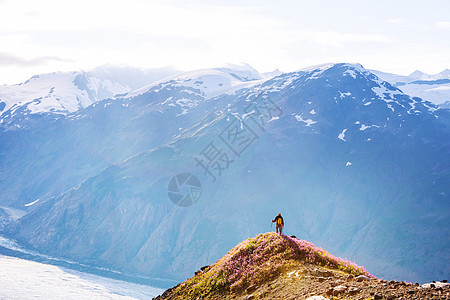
272,266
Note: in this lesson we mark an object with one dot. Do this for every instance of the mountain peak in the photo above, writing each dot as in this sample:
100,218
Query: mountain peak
258,260
272,266
445,74
243,72
417,75
321,67
272,74
207,83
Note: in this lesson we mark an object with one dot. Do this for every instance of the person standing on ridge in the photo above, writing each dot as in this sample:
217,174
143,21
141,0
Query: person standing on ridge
279,223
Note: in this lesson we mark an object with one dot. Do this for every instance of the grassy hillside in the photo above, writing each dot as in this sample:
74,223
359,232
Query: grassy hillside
270,266
256,261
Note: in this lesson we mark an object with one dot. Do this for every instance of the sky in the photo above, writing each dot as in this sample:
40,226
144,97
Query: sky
389,35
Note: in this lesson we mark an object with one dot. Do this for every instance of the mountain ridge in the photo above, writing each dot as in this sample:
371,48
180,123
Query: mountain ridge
54,94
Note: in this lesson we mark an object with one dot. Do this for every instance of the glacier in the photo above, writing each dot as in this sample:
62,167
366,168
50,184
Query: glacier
23,279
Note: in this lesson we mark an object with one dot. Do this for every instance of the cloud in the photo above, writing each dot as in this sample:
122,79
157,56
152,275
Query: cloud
33,13
443,24
338,39
8,59
396,21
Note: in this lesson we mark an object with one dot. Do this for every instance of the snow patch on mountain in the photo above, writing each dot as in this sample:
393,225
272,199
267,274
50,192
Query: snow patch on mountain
317,68
343,95
308,122
364,127
351,73
316,71
341,135
274,118
385,94
32,203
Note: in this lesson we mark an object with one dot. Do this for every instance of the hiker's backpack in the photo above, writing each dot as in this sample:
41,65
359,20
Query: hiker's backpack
279,221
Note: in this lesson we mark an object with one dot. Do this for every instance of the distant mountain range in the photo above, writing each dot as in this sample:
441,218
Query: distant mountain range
433,88
62,93
354,164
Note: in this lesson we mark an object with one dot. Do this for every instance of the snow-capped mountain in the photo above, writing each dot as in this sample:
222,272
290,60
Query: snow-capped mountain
434,88
354,164
61,93
414,76
207,83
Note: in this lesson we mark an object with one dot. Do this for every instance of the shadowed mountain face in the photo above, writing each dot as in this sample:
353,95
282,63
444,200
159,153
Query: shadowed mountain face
354,165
